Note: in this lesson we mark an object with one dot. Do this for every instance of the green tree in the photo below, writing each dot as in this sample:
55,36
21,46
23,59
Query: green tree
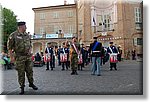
9,25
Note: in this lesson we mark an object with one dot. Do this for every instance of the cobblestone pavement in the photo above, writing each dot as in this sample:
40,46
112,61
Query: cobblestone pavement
126,80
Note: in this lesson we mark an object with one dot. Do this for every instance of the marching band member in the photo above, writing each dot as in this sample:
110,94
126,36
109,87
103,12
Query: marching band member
64,56
49,56
80,61
112,51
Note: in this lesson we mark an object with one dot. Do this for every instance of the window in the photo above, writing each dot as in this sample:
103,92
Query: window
56,29
104,22
42,30
139,41
71,30
138,26
55,15
42,16
138,14
70,13
107,19
138,18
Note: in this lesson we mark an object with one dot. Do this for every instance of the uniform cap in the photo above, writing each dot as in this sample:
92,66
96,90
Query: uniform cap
110,42
21,23
73,37
95,37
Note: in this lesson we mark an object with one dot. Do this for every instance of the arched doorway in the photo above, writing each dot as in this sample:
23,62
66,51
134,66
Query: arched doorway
37,47
54,44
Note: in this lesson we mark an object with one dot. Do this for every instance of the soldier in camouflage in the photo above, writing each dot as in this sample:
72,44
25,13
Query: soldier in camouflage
74,51
19,42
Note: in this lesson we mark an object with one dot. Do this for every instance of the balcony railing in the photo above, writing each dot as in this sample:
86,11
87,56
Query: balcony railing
51,36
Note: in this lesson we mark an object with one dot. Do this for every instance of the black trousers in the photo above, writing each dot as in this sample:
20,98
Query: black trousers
50,64
113,65
80,66
64,64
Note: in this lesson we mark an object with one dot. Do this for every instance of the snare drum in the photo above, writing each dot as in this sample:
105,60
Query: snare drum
113,58
63,57
47,58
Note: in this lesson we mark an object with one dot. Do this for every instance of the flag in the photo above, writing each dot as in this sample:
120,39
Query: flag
94,21
93,16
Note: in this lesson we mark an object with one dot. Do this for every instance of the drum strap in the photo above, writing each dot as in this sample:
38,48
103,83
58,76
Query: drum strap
110,50
64,50
47,49
75,48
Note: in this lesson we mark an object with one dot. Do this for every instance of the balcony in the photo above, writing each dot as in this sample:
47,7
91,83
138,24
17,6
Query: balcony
51,36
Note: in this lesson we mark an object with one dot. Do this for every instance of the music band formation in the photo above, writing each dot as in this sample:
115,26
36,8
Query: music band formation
74,56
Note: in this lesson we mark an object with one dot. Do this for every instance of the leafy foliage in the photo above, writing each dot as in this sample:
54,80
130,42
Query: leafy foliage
9,24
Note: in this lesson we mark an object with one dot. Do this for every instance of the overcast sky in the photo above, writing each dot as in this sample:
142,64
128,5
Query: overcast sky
23,9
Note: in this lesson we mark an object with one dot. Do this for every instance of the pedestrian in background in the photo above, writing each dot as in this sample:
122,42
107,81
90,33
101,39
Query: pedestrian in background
19,42
133,54
119,53
58,55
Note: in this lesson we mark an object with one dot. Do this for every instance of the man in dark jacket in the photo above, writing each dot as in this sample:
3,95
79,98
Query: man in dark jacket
64,56
49,50
112,49
95,50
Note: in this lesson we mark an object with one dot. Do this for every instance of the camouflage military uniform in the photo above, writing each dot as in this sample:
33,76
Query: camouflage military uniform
21,44
74,58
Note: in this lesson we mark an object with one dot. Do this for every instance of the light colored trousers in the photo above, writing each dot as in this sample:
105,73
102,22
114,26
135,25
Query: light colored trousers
96,65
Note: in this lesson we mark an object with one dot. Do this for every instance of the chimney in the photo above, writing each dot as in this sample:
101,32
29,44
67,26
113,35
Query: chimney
65,2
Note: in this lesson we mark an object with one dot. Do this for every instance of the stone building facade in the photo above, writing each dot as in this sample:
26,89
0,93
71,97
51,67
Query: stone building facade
119,21
54,24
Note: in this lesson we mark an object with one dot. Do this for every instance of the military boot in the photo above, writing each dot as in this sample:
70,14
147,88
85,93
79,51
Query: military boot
76,72
73,72
33,86
22,91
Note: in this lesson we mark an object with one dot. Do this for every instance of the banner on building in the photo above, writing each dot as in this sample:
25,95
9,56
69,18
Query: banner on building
68,35
38,36
51,35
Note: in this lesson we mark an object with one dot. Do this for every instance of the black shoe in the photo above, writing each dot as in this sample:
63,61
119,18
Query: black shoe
98,75
73,73
22,91
111,69
62,69
33,86
76,73
115,68
47,69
